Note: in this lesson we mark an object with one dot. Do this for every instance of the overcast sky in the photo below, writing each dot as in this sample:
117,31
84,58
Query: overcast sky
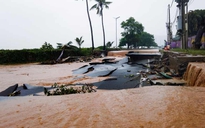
29,23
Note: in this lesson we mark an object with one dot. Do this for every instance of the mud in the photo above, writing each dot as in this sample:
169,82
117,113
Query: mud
155,107
195,74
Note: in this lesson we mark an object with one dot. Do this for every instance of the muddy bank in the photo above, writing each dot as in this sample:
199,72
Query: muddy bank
194,74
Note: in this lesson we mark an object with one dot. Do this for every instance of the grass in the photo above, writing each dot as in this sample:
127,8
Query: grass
190,51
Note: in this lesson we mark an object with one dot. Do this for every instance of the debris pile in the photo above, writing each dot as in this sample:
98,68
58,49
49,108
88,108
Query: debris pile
66,89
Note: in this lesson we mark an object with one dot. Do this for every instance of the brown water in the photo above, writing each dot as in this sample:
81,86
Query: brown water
147,107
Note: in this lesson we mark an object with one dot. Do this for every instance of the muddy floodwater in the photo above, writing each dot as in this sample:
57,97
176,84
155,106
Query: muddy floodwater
145,107
41,75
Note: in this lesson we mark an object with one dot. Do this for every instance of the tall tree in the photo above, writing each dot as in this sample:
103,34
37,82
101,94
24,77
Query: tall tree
132,32
196,19
90,23
79,41
99,6
147,39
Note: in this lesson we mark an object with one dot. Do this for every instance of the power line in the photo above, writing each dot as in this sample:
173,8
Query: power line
172,3
177,11
191,2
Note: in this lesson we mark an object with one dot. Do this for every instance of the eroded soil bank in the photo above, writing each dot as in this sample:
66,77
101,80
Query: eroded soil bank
194,74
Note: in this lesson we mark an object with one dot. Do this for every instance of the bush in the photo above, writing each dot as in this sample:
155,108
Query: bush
38,55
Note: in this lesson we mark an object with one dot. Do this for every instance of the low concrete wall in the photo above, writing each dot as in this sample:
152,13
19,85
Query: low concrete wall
179,61
194,74
124,52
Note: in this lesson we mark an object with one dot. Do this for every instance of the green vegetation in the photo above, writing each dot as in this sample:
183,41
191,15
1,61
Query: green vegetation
65,46
67,89
134,35
147,39
79,41
109,44
99,6
190,51
47,46
196,19
39,55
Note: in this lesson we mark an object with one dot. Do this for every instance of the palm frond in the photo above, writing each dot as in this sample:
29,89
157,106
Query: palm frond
107,3
94,7
59,44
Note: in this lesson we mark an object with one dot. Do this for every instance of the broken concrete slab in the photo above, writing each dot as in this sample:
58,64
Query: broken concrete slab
101,70
9,90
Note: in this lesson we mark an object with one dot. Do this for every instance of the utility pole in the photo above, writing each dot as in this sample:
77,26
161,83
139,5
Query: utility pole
181,22
170,33
169,26
183,25
116,28
187,26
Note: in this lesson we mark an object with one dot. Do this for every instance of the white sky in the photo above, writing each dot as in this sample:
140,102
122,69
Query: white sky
29,23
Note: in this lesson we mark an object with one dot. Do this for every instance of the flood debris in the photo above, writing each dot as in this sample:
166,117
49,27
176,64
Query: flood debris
15,93
132,73
165,75
66,89
55,89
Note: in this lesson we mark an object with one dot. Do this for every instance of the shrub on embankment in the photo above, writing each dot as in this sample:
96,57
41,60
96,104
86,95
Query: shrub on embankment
38,55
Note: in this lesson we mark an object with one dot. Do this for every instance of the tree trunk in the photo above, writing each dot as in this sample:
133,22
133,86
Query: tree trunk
91,28
59,58
103,30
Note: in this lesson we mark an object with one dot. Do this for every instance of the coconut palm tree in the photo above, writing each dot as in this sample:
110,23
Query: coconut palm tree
91,28
109,44
99,6
79,41
63,47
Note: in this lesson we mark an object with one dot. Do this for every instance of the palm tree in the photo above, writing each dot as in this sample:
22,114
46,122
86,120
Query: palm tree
99,6
109,44
91,28
79,41
63,47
